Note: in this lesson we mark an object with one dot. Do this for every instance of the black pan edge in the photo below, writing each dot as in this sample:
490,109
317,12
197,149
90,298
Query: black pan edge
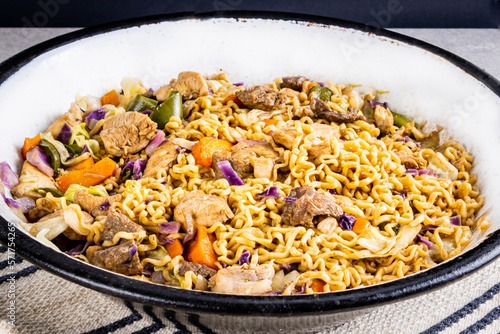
344,301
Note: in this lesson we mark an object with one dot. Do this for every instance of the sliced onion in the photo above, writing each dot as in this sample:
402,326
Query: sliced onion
244,258
332,191
184,143
425,241
272,191
169,228
65,134
26,204
229,173
12,203
164,239
39,159
158,139
427,172
456,220
7,175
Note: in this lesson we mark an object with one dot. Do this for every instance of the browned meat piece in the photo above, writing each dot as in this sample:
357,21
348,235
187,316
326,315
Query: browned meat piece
258,97
191,85
294,83
116,258
383,119
31,177
285,136
197,208
410,161
246,280
157,277
117,222
242,156
309,204
127,133
265,150
322,110
44,206
217,157
263,168
286,95
73,117
198,269
163,157
94,204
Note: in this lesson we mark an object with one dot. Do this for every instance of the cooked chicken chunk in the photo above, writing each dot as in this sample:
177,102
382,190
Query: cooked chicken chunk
286,95
322,110
309,204
246,280
258,97
117,222
116,258
191,85
410,161
163,157
127,133
96,205
197,208
31,177
162,93
73,117
263,168
285,136
294,83
197,269
383,119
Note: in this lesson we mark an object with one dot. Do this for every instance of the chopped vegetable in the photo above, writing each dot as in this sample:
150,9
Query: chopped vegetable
201,250
235,100
318,285
332,191
51,151
54,192
132,252
11,203
272,191
204,149
75,149
412,172
229,173
65,134
270,121
431,141
95,115
347,221
442,167
157,140
170,107
141,103
376,103
69,194
29,143
111,97
80,249
360,225
104,206
175,248
87,163
26,203
88,177
289,199
426,171
425,241
456,220
37,158
244,258
7,175
323,93
169,228
400,120
133,169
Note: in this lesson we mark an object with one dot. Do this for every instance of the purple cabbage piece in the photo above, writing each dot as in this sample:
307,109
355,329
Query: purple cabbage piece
189,237
97,114
427,171
40,160
7,175
10,202
321,84
430,228
132,252
147,112
332,191
290,267
26,203
148,200
272,191
273,293
210,92
347,221
405,139
157,141
164,183
104,206
376,103
412,172
164,239
402,194
80,249
229,173
224,265
148,269
239,84
425,241
137,167
65,134
244,258
151,90
456,220
169,228
85,149
289,199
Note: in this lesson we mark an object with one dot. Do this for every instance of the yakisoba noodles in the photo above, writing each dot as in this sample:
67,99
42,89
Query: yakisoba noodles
289,187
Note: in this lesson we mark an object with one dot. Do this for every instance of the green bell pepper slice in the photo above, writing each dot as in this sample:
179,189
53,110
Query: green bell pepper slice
54,192
171,107
141,103
400,120
324,93
49,149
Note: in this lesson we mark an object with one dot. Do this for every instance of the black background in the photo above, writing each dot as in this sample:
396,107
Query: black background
388,13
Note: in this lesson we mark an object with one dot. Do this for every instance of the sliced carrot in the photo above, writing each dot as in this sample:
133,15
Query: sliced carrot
91,176
111,97
29,143
201,250
360,225
87,163
311,85
235,100
271,121
202,151
318,285
174,249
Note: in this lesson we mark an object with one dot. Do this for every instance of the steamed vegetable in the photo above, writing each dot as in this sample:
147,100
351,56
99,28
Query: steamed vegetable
360,225
29,143
347,221
7,175
87,163
157,141
51,151
323,93
141,103
40,160
229,173
91,176
111,97
272,191
204,149
244,258
64,135
170,107
201,250
399,119
317,285
175,248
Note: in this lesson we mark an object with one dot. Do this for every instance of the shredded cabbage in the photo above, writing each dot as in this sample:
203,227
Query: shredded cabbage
63,152
99,190
41,237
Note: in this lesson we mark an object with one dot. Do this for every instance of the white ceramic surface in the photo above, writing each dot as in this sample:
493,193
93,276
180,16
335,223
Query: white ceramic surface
421,84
